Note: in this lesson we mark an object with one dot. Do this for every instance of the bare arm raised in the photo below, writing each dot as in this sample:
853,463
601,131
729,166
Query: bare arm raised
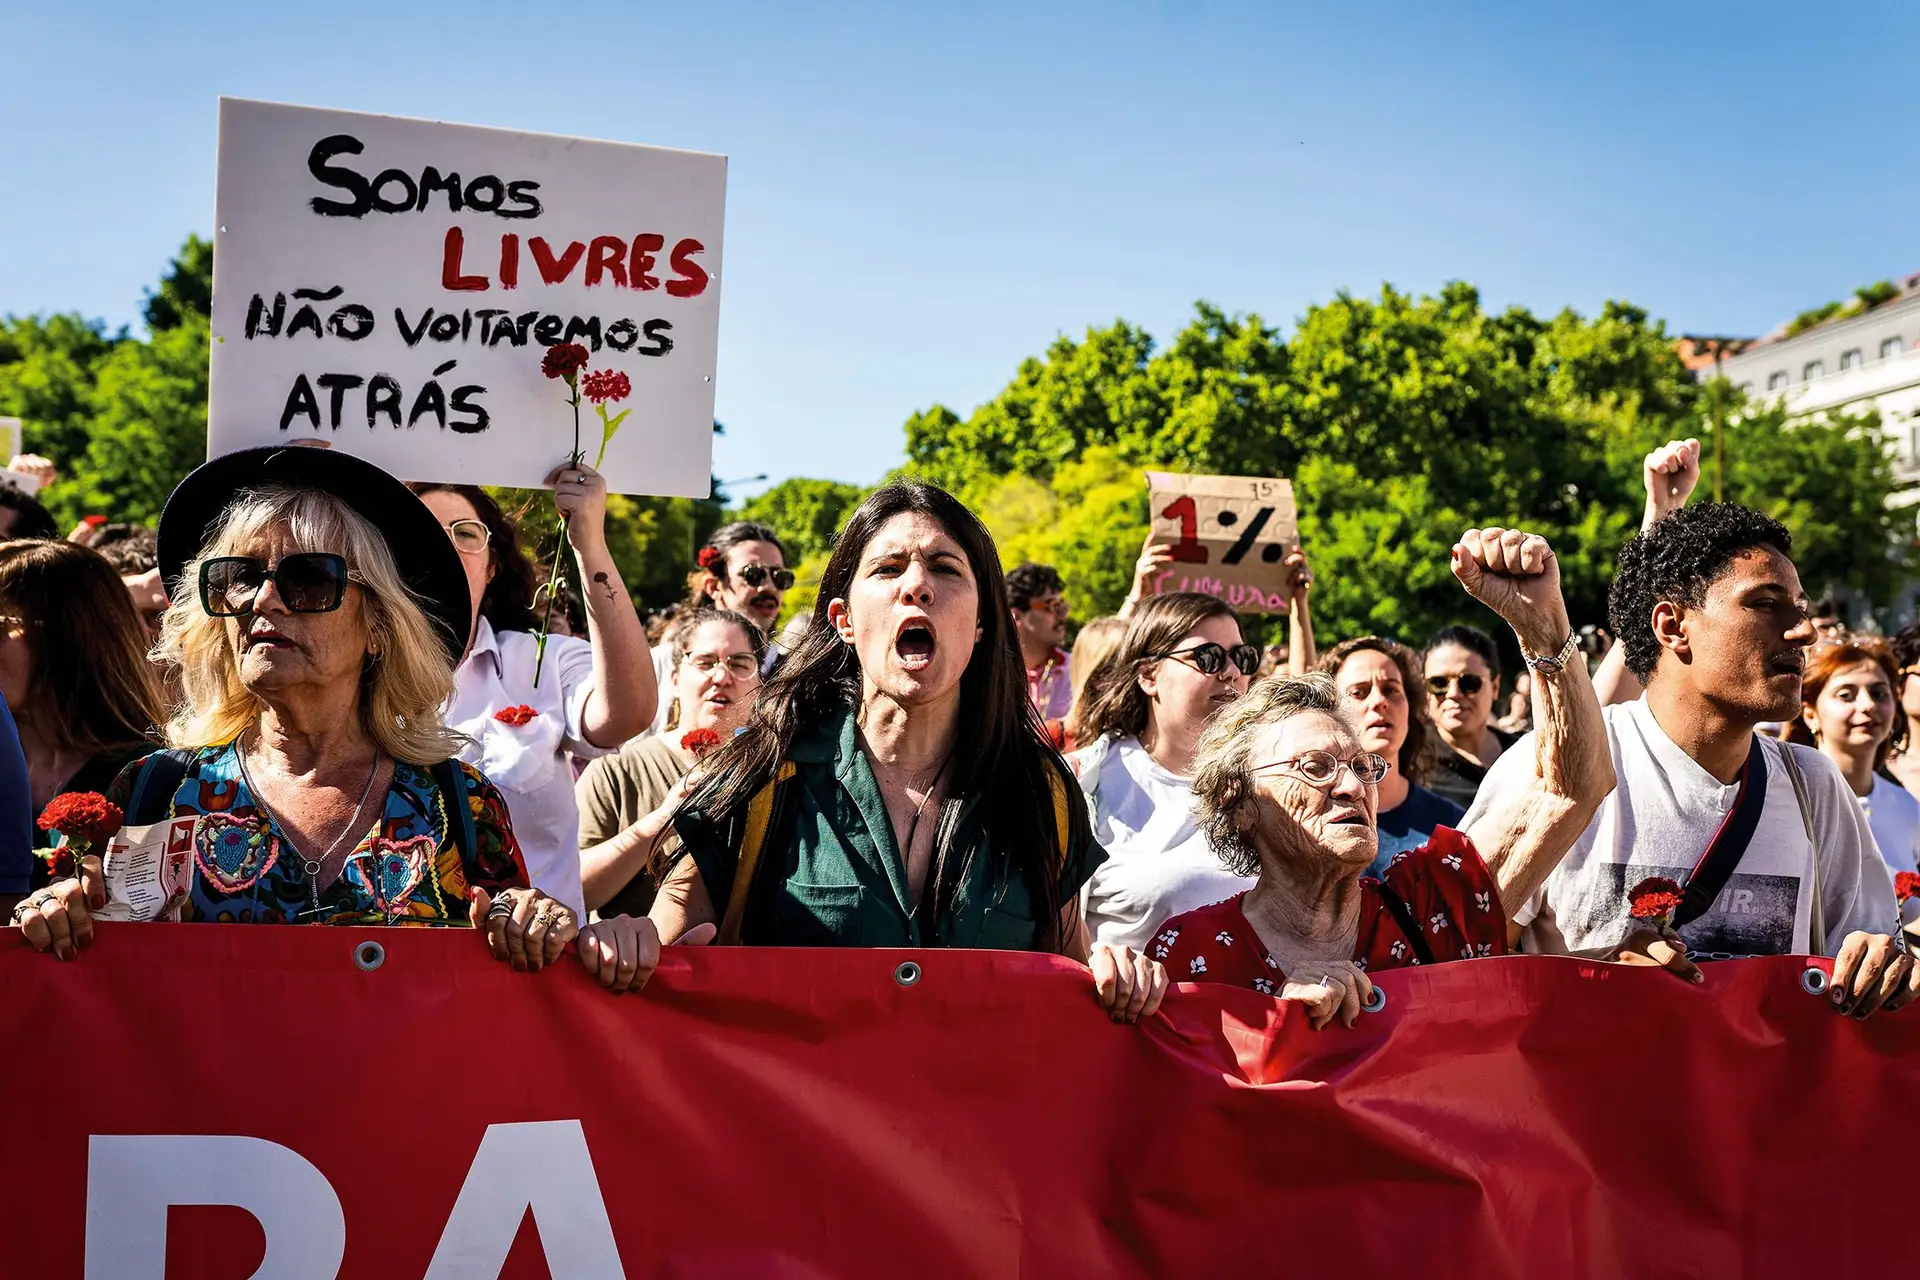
1516,575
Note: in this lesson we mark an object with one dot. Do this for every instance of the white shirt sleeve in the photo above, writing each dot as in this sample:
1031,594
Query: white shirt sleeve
1509,776
574,663
1856,891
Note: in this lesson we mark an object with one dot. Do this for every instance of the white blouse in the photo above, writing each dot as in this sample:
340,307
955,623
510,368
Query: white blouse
529,762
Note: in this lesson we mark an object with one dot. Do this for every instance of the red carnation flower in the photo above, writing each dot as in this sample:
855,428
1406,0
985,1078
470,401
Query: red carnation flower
563,360
515,716
711,560
86,818
1906,884
1655,898
699,741
603,385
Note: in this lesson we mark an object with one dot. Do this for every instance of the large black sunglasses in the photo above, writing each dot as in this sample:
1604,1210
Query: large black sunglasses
308,582
1211,659
1469,683
754,574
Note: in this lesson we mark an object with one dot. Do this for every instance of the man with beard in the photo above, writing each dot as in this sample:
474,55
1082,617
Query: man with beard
742,569
1774,855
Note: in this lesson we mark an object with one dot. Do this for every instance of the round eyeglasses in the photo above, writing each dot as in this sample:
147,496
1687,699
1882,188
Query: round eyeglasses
1322,768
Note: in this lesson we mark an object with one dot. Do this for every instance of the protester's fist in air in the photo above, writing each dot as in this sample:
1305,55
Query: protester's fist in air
32,464
1299,574
1670,474
1516,575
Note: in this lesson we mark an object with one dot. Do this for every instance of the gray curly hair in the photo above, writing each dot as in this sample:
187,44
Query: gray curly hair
1221,781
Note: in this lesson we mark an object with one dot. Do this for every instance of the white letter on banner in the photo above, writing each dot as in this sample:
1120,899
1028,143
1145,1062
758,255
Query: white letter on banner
132,1178
544,1166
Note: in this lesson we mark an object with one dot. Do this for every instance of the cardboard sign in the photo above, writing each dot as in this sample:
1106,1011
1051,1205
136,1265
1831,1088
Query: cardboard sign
1229,535
390,286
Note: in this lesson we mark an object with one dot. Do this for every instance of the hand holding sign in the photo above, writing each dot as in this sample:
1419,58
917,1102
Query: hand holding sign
1234,537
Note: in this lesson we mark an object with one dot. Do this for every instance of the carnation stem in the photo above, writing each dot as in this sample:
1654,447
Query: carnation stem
559,550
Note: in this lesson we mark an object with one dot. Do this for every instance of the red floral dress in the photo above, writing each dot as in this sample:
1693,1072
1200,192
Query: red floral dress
1448,893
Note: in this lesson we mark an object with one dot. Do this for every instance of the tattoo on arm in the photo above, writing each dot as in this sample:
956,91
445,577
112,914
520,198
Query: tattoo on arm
605,585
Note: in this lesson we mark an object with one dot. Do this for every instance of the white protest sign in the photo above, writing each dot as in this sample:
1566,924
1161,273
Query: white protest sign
390,286
1229,534
12,432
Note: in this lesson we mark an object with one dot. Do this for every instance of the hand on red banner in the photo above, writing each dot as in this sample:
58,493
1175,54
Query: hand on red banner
523,927
1660,948
57,918
1516,575
1341,990
621,952
1129,985
1872,972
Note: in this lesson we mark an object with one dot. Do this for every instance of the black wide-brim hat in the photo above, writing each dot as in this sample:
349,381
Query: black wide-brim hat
421,549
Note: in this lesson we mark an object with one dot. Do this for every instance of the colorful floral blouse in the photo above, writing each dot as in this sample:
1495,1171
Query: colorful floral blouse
406,870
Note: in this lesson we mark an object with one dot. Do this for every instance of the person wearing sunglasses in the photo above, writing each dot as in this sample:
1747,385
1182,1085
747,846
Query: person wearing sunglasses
1181,662
318,611
1289,794
587,697
1380,679
742,569
627,799
1463,685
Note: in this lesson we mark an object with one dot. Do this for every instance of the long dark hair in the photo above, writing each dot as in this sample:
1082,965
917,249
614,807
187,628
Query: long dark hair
1113,704
1000,754
92,688
507,603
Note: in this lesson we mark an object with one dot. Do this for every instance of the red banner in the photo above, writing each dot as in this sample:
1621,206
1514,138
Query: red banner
807,1113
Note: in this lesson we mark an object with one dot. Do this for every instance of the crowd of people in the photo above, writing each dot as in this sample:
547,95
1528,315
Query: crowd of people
344,684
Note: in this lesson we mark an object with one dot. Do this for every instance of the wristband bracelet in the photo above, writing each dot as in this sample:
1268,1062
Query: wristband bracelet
1558,662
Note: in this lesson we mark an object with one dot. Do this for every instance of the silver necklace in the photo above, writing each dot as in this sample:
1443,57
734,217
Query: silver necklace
310,866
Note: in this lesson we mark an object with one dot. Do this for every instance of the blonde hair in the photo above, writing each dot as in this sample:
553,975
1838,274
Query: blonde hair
403,689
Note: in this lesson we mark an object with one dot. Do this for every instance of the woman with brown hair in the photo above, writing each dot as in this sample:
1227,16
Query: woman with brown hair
74,669
1180,663
1378,679
1849,712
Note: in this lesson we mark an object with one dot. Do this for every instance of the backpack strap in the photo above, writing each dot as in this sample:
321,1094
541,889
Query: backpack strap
753,843
1817,926
452,782
156,784
1062,813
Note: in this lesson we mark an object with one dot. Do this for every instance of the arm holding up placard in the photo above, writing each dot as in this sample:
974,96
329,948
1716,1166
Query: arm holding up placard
625,693
1154,558
1300,651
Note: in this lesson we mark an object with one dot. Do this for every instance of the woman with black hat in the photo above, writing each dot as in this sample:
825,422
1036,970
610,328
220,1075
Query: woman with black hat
318,613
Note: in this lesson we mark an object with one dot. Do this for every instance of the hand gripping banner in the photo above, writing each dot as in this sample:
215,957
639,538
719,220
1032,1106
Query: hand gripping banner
215,1102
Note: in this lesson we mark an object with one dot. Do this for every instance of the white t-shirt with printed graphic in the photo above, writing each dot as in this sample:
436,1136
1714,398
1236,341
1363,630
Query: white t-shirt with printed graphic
1660,818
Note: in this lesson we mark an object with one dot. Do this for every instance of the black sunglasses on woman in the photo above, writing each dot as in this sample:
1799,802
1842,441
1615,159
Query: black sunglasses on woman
1211,659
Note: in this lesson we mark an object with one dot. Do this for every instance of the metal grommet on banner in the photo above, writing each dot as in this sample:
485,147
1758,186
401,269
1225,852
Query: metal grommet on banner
368,956
1376,1001
907,973
1814,981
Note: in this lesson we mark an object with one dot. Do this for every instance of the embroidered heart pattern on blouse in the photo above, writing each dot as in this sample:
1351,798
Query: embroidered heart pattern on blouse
395,869
233,853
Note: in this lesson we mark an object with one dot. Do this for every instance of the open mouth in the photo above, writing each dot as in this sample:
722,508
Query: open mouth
914,645
1354,819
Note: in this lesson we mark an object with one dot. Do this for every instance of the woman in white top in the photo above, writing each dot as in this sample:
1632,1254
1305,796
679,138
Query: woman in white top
1142,715
1847,710
593,694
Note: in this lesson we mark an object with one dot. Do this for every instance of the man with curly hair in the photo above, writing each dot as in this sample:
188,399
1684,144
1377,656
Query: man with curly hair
1774,853
1037,595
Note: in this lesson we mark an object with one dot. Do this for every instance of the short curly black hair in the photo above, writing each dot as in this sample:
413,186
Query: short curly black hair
1677,560
1906,645
1028,582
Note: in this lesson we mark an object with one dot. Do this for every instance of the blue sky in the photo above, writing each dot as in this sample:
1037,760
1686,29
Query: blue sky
920,196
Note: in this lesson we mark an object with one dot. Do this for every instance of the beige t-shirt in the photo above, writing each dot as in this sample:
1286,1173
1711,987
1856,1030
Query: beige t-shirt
617,791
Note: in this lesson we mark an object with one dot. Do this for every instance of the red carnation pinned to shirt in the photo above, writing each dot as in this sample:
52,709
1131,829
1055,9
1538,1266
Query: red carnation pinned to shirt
1656,898
1906,884
87,819
564,360
699,741
515,716
711,559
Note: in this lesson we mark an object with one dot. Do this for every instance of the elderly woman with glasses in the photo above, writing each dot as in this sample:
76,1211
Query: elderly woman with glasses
1288,793
524,712
317,614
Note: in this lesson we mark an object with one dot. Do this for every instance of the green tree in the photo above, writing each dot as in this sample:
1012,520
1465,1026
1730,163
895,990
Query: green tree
47,370
806,513
149,427
186,290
